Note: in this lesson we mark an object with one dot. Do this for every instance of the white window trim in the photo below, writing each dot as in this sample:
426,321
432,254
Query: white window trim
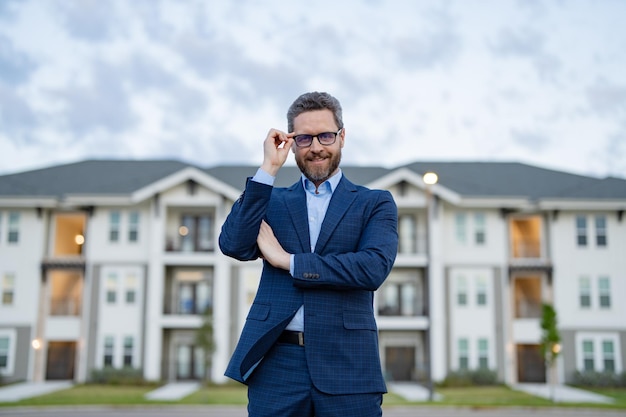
598,358
12,336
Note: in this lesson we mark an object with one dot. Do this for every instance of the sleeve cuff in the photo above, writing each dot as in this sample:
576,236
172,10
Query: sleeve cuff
263,177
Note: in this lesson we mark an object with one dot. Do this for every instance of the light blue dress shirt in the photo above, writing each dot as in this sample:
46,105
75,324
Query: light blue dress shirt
317,203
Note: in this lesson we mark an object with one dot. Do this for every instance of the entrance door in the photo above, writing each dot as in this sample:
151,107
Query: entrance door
60,362
530,365
189,363
400,362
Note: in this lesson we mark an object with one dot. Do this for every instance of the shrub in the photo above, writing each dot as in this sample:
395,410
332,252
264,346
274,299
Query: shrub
466,378
599,379
117,376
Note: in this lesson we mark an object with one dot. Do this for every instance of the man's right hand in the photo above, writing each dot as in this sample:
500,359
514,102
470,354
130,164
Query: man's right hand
276,149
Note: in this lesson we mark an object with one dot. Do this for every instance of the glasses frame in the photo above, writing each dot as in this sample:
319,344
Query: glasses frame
295,138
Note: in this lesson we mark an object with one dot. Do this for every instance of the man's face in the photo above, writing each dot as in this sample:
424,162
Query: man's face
317,162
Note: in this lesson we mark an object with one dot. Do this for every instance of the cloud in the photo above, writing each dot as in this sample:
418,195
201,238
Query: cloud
607,98
90,20
16,116
526,43
100,104
530,140
15,66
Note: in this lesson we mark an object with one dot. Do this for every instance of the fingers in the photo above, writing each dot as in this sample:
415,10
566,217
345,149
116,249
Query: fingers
281,140
276,150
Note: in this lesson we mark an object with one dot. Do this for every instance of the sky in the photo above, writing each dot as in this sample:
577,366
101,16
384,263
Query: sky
540,82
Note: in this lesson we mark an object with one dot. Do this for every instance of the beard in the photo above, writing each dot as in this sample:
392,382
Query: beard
319,174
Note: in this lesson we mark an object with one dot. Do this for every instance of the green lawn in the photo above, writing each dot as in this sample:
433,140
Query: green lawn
235,394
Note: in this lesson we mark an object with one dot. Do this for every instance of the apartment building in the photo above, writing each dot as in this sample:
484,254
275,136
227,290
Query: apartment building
110,263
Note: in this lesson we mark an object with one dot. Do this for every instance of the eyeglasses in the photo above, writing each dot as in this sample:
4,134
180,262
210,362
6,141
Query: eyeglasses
325,138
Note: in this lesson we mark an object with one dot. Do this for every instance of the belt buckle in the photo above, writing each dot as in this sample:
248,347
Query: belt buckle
300,338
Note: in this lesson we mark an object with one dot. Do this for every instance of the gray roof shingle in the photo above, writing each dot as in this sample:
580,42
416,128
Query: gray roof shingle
469,179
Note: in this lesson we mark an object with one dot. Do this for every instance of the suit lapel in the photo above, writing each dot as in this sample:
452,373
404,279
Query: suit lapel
341,200
295,201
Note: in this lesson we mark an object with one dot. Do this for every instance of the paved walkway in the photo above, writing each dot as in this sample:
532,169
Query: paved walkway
173,391
562,393
16,392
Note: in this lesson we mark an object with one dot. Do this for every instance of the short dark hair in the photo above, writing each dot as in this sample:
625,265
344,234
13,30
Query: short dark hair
314,101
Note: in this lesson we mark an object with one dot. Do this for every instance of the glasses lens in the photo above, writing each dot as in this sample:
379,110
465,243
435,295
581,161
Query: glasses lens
327,138
303,140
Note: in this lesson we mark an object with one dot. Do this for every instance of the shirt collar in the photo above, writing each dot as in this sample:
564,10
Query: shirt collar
330,184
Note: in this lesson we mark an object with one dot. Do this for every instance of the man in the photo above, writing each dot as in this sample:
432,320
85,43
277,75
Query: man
310,343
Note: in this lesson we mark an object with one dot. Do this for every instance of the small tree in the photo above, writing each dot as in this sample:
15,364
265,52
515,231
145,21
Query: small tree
550,342
204,340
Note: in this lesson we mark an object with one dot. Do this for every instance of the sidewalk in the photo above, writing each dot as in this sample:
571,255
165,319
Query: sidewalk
173,391
16,392
563,393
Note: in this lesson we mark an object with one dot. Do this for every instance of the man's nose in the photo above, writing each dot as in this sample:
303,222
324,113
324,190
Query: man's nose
316,145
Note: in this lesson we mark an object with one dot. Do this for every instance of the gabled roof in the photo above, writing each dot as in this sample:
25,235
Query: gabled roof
235,175
512,179
490,180
104,177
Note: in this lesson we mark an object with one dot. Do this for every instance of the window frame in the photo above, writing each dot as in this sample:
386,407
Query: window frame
115,222
582,239
13,228
9,352
584,292
8,278
134,220
463,353
601,230
604,293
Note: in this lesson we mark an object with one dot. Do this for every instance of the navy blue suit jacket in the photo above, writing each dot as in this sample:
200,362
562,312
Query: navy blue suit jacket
354,254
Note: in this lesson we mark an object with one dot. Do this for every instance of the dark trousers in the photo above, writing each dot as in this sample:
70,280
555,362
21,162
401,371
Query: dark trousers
281,387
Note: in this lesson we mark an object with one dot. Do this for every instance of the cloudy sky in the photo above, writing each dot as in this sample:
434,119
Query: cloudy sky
533,81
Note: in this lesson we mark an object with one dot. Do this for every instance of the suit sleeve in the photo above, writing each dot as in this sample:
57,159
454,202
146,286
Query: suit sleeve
364,268
241,228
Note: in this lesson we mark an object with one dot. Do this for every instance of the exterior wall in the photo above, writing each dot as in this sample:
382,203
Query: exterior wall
120,317
441,256
469,319
573,262
21,260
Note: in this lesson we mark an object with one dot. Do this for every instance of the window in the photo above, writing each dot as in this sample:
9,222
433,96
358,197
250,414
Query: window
131,288
8,289
114,226
196,233
584,291
402,294
601,231
109,348
588,362
4,353
133,226
483,354
608,356
128,351
407,232
604,292
481,291
461,233
461,291
13,235
480,231
581,230
463,354
111,288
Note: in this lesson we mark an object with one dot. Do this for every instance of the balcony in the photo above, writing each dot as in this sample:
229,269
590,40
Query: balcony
188,291
190,232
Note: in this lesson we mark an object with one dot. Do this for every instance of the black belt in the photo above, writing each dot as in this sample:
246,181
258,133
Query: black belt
294,338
